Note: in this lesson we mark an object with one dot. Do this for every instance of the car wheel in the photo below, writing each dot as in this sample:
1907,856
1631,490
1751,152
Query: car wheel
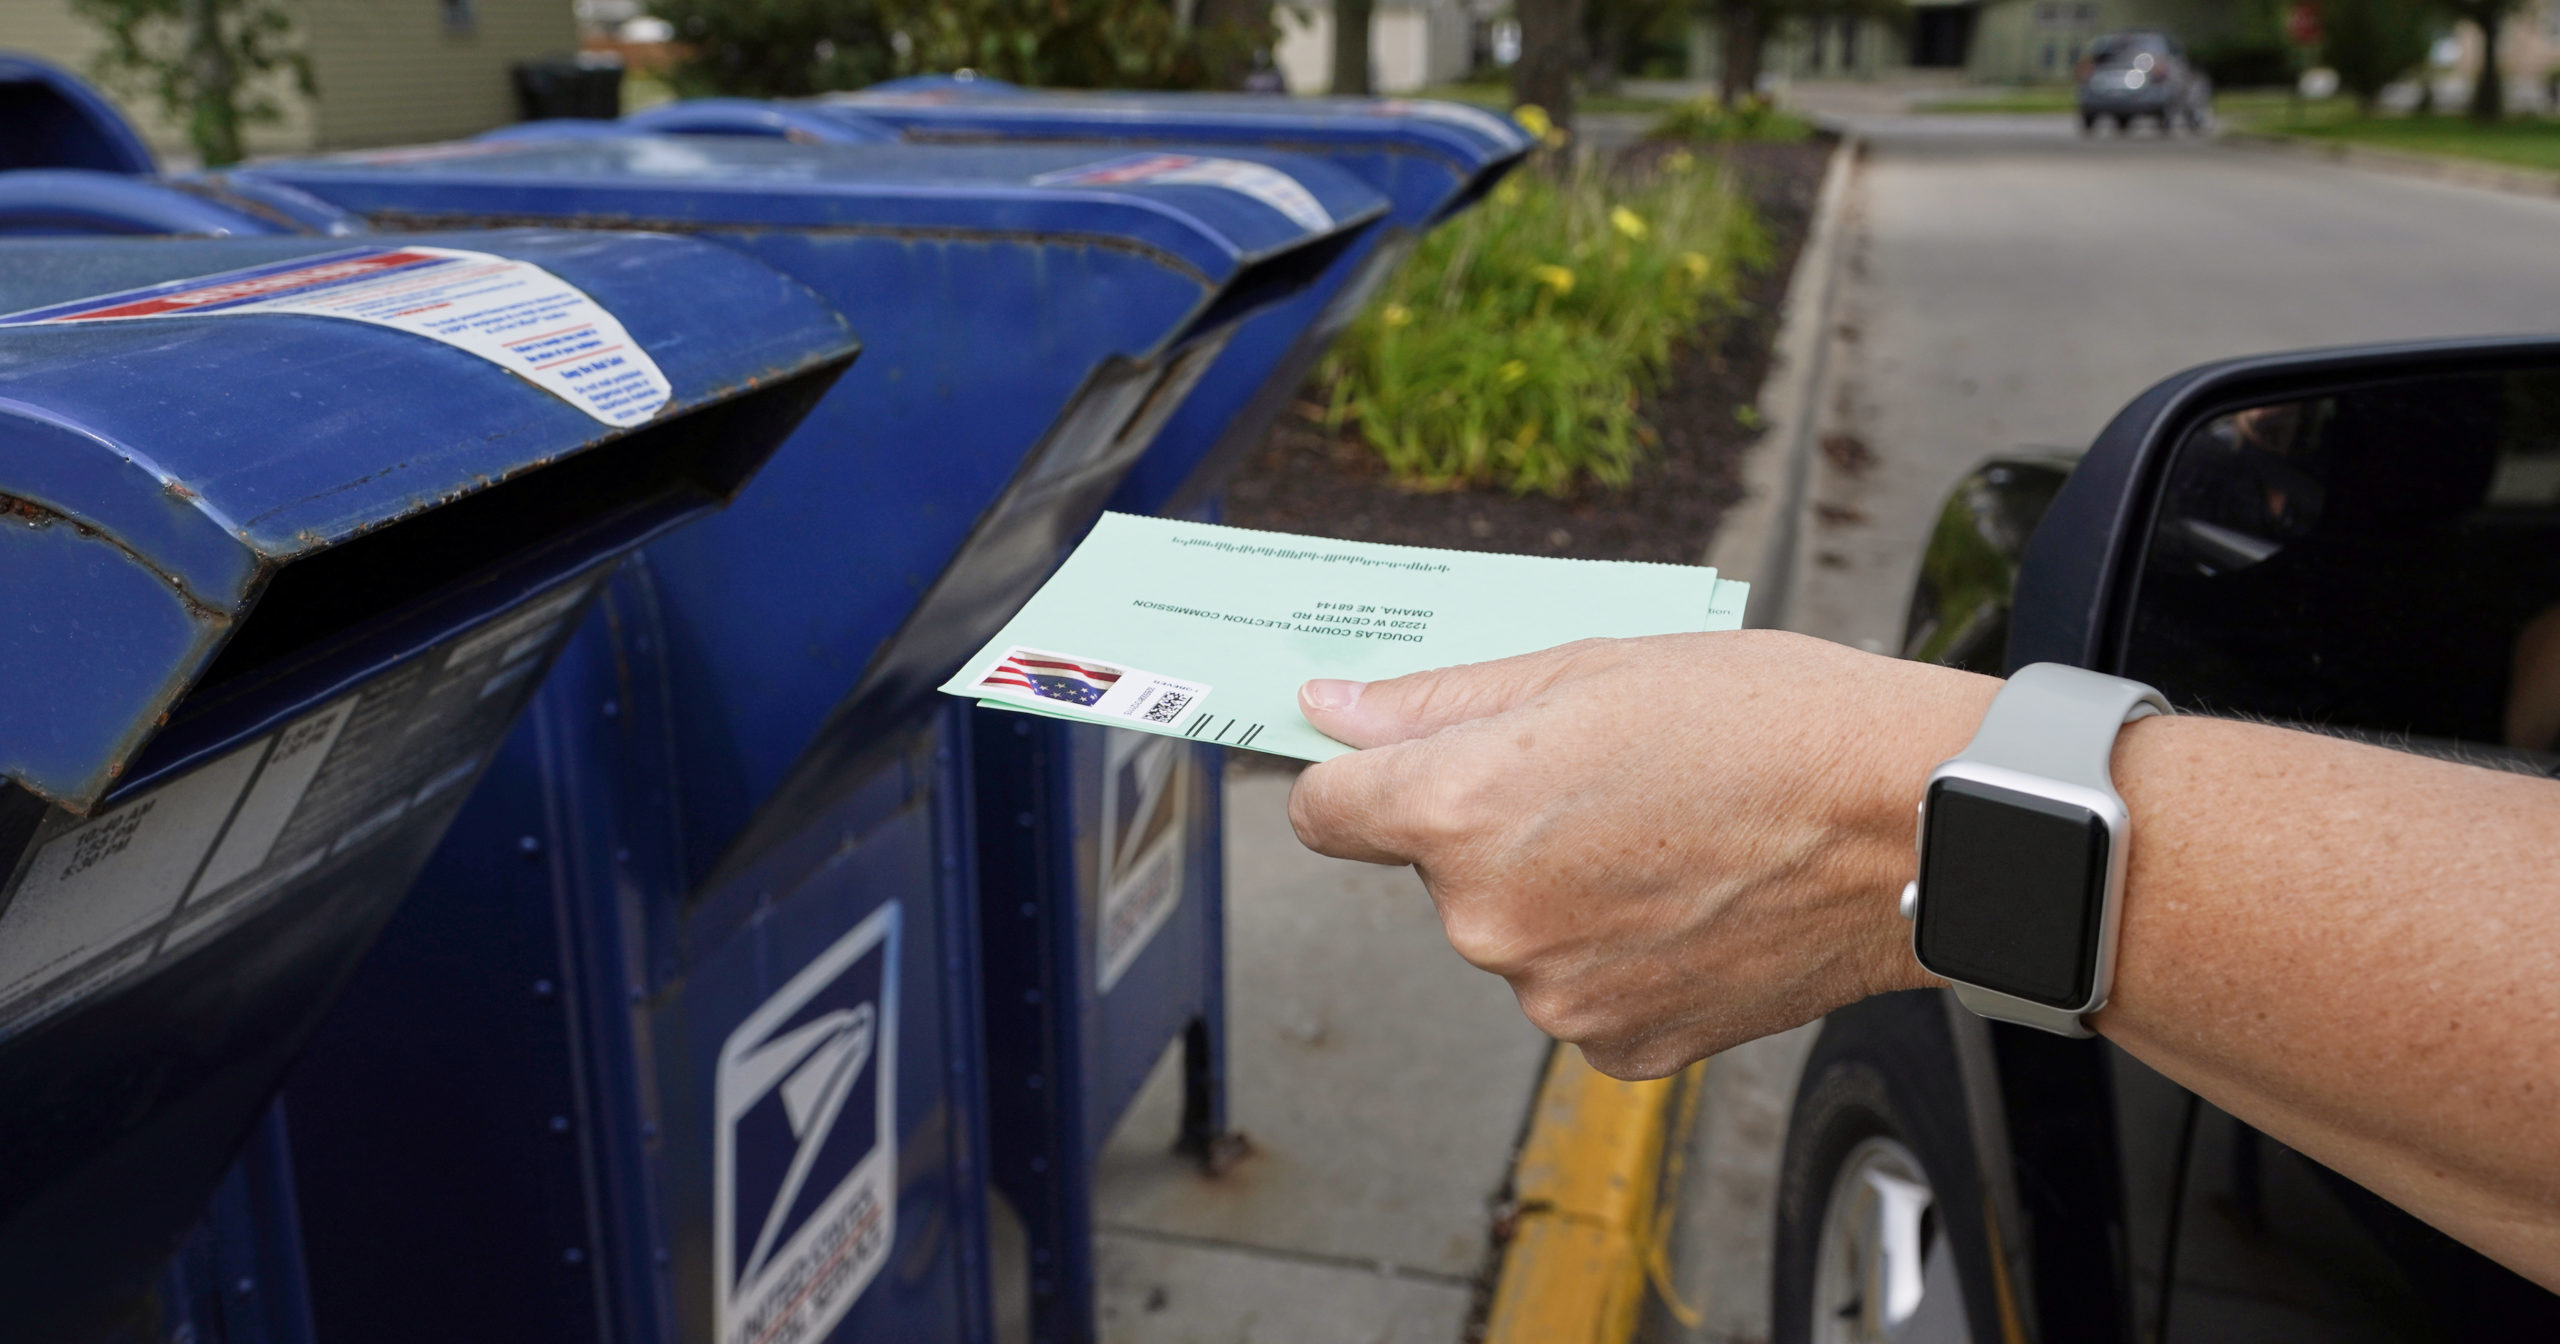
2124,123
1877,1189
2088,123
2168,124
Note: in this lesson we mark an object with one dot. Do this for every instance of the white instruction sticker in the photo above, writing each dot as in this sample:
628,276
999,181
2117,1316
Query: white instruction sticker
1146,782
1260,181
805,1160
514,314
1045,680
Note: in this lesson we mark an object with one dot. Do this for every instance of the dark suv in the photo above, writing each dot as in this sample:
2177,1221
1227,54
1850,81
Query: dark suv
2351,541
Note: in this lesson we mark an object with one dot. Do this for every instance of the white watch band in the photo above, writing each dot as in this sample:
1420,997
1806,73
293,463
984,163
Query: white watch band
2060,723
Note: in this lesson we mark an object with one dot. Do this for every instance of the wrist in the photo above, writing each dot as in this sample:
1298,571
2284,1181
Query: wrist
1923,716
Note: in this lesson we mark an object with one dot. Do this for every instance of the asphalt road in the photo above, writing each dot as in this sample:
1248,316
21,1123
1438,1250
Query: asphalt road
2009,284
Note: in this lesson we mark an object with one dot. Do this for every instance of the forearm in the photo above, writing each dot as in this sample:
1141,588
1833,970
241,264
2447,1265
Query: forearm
2351,948
2357,951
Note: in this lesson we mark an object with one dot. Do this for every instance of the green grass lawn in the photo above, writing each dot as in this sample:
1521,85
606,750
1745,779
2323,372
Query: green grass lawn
2519,141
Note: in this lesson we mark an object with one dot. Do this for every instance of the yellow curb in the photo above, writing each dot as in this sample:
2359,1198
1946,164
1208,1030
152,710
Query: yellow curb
1586,1186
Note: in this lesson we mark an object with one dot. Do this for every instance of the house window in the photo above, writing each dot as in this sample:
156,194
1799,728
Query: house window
458,15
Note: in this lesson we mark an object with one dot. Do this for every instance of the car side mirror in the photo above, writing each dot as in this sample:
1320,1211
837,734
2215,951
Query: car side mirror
2363,541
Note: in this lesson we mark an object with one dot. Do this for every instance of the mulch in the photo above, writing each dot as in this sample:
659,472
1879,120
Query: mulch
1307,481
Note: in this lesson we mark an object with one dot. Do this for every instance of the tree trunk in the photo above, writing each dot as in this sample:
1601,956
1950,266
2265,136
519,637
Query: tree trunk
1605,22
1351,47
1227,23
1550,48
214,123
2489,90
1740,22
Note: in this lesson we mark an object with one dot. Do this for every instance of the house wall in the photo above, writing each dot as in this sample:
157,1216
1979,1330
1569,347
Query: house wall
2037,41
50,30
403,71
1410,46
386,71
1808,51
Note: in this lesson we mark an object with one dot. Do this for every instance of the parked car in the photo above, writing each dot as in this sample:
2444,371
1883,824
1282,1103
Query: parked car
2351,541
2130,75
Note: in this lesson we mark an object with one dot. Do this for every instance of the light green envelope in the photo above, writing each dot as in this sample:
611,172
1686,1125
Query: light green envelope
1206,632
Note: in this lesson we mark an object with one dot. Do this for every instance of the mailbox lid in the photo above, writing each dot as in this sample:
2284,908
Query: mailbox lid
698,181
157,472
1472,146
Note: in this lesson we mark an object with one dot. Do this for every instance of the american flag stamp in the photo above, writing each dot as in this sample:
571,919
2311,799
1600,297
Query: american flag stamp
1056,680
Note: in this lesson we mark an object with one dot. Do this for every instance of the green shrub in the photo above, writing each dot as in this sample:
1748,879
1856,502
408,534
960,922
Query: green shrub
1515,346
1703,120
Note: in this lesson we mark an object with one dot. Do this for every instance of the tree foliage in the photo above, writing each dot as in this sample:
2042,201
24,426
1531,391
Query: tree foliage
788,48
209,64
2372,43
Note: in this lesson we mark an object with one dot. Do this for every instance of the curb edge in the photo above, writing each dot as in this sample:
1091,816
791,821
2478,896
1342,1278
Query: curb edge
1586,1184
1757,538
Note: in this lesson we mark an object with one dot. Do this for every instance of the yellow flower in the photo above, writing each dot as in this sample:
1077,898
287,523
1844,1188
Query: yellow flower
1627,221
1679,161
1696,264
1556,278
1512,371
1396,315
1510,192
1536,122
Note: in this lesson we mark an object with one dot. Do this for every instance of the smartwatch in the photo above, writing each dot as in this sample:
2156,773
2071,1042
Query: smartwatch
2022,851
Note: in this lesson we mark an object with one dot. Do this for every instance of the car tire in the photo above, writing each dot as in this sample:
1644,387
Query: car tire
1879,1225
2088,123
2124,123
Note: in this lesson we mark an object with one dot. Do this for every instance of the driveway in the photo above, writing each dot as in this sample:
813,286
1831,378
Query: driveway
2006,284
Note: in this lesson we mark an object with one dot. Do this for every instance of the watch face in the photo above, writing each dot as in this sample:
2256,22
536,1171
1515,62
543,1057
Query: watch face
2011,889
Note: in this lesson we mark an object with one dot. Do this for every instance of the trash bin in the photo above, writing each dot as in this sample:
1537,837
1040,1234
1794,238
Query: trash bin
56,120
292,528
746,789
585,85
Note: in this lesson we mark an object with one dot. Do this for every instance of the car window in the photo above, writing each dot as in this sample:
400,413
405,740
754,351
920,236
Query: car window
2385,561
2121,48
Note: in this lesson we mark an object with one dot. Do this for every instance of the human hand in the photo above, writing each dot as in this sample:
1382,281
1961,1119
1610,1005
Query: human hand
1668,846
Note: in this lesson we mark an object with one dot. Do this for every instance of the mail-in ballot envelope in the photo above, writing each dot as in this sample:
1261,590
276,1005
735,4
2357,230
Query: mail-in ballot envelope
1206,632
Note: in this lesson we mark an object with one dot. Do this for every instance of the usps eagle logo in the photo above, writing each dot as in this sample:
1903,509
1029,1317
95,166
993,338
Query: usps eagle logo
807,1144
1051,676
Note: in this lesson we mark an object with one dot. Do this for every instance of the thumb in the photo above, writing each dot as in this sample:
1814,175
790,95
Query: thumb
1378,713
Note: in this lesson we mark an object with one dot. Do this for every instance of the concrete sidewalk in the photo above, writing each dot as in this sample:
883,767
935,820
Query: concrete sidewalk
1384,1083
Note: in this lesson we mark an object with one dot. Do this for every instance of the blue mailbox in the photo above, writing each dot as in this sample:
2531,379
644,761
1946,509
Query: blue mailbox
89,203
724,880
1117,887
292,529
57,121
1100,859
